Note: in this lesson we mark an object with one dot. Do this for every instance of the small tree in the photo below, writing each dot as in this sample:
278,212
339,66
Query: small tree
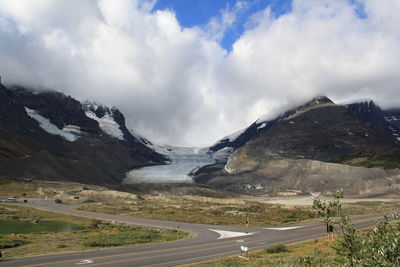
328,209
377,247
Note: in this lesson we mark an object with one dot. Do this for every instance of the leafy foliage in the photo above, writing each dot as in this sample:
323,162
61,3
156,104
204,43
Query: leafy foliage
378,247
328,209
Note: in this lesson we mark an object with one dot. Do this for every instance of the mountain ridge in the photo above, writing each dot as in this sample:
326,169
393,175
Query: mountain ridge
47,135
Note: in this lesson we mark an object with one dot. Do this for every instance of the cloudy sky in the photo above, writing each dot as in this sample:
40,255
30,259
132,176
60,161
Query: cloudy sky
188,72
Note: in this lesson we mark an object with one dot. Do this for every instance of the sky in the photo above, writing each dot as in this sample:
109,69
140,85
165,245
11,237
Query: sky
189,72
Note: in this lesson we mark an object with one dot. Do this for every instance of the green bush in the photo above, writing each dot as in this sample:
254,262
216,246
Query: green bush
277,248
377,247
11,243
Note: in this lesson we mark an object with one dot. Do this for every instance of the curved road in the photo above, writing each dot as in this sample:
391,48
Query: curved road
207,241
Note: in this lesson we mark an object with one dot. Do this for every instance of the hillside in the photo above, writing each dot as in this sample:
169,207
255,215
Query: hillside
47,135
302,150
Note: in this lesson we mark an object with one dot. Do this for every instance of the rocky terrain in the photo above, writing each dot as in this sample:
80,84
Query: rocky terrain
47,135
311,149
316,147
387,122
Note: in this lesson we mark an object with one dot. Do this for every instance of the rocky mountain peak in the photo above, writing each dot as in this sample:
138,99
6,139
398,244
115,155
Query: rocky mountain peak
238,139
48,135
386,122
59,109
320,100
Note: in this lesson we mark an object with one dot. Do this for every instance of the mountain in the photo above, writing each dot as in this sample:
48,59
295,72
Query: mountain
240,138
47,135
386,122
309,148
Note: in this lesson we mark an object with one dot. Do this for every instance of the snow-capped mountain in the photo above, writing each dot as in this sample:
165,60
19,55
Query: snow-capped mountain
105,117
236,140
47,135
311,148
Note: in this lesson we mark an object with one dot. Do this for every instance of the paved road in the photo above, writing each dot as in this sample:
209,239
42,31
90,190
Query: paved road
207,242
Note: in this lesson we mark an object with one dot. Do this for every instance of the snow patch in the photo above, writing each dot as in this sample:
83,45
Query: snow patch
73,129
230,138
264,118
69,132
107,124
235,135
262,126
141,138
392,118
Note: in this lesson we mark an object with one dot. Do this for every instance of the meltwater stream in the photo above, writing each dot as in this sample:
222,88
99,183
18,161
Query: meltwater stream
184,160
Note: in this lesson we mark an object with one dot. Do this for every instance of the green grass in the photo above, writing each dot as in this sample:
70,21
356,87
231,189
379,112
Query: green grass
389,160
8,212
6,242
317,252
207,212
23,227
132,236
277,248
19,237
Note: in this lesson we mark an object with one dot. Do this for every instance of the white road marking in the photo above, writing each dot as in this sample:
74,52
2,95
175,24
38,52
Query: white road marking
84,262
228,234
284,228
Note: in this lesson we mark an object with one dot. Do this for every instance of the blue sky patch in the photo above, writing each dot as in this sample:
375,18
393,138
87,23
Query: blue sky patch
192,13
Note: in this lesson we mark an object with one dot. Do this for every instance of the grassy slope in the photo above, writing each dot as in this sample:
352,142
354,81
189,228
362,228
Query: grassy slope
207,211
93,235
316,252
388,160
226,211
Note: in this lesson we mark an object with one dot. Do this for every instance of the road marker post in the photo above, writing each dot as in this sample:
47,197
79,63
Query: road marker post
247,223
244,249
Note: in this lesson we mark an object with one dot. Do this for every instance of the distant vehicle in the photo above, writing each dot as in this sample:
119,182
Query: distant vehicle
248,186
58,201
10,199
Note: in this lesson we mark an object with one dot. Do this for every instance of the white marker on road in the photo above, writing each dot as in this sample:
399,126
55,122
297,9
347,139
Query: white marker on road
284,228
228,234
84,262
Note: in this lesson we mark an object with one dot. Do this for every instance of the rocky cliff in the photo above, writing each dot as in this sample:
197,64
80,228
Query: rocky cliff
47,135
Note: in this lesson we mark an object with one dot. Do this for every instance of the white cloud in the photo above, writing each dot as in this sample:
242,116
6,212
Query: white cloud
178,85
217,26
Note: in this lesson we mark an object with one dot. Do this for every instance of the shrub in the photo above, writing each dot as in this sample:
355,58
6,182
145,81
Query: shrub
377,247
10,243
277,248
94,223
